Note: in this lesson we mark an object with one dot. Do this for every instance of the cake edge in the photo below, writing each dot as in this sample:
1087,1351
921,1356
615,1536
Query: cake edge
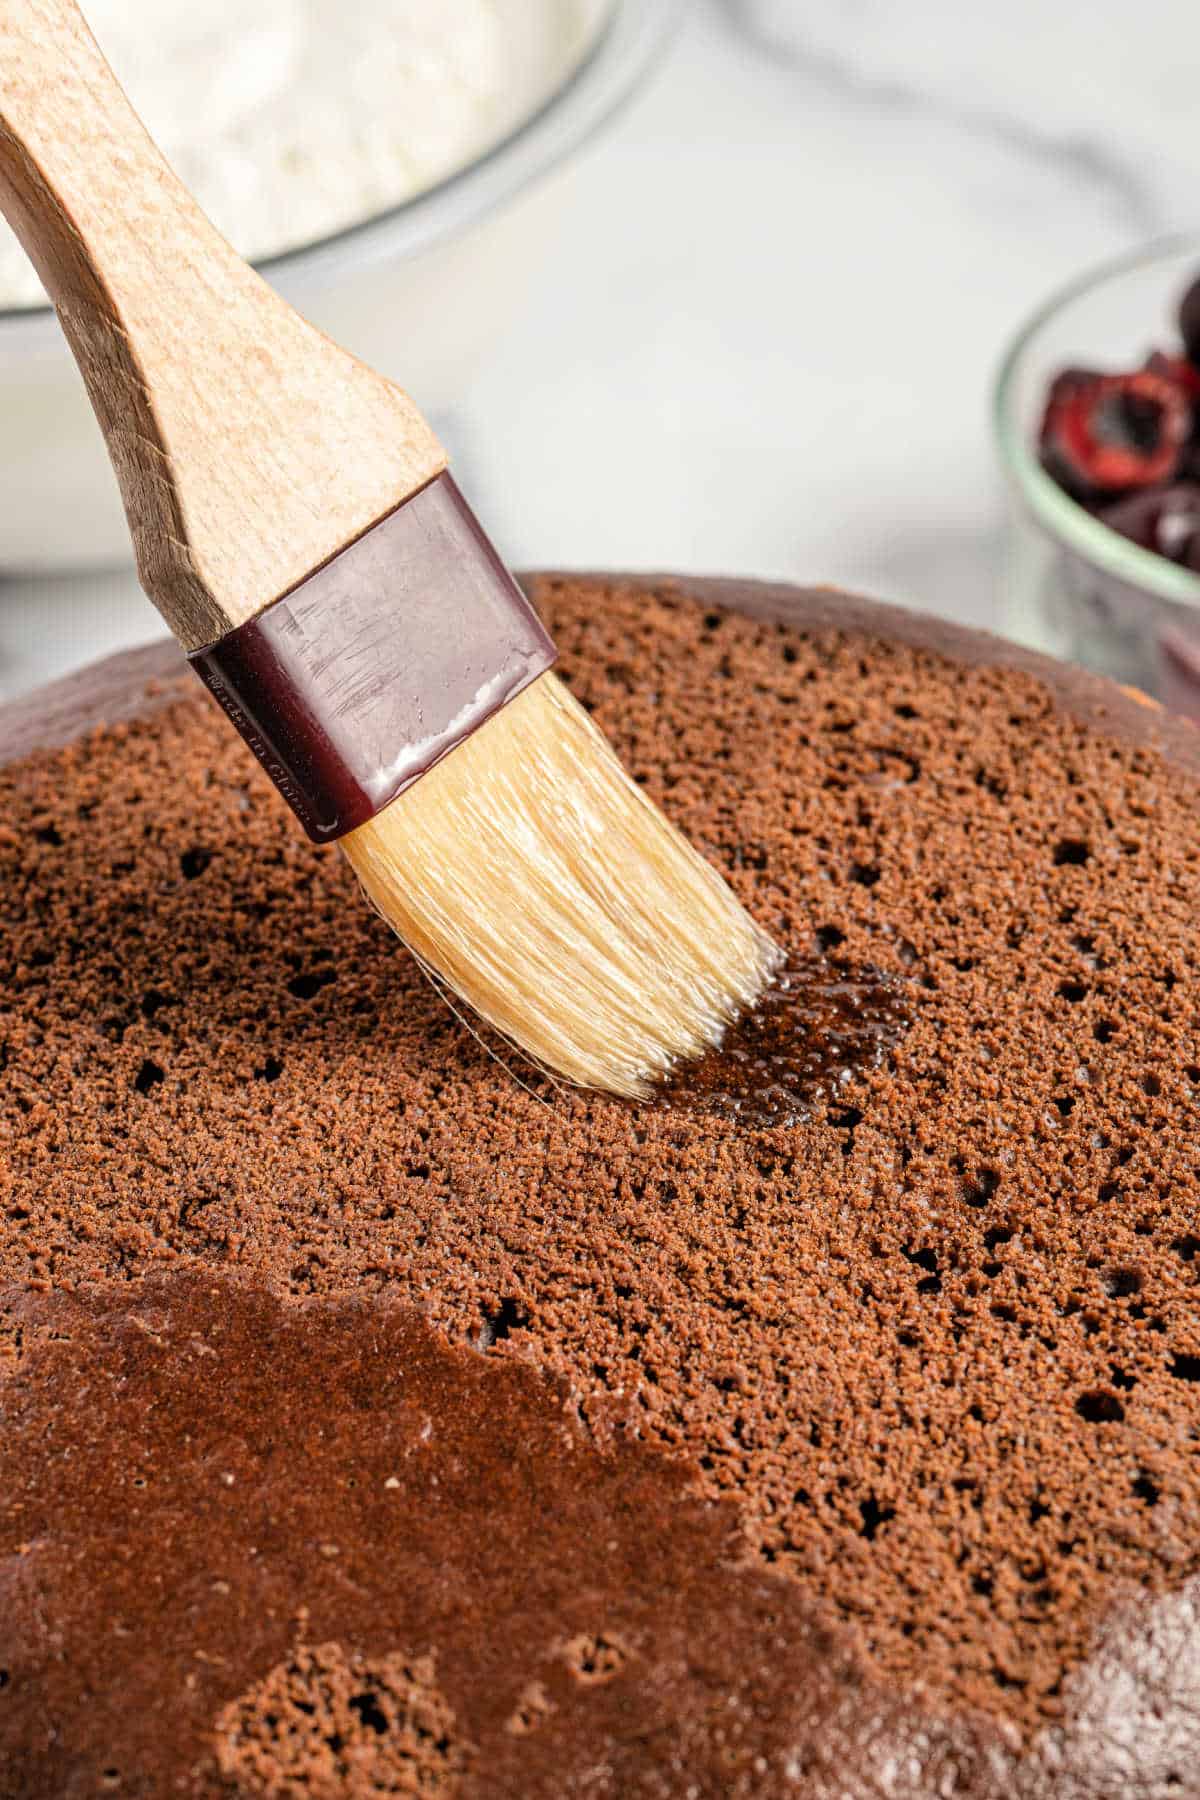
132,684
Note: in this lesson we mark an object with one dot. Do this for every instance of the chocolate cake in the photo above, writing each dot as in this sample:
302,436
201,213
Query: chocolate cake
378,1418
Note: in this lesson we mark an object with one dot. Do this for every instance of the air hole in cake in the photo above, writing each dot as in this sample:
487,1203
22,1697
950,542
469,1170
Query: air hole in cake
1185,1368
1187,1246
865,874
873,1517
979,1189
308,985
1121,1283
367,1706
47,834
508,1317
829,937
193,862
533,1708
1099,1407
1071,853
992,783
1122,1379
595,1660
1073,991
192,1204
148,1076
153,1002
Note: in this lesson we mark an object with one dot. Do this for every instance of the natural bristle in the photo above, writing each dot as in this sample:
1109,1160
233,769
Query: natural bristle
537,880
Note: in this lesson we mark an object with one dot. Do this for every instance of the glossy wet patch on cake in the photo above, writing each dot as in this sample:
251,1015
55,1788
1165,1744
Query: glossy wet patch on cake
277,1549
817,1027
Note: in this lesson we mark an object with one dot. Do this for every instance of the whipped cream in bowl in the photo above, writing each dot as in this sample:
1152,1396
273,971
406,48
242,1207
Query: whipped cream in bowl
394,167
294,120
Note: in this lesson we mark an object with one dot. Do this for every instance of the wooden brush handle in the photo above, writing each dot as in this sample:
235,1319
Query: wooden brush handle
249,448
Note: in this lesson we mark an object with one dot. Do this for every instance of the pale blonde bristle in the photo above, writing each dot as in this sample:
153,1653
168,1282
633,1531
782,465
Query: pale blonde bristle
534,877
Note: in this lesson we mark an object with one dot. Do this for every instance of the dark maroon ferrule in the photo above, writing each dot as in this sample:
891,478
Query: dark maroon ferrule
353,685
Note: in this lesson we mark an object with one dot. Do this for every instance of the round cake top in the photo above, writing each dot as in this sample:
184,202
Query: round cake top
856,1442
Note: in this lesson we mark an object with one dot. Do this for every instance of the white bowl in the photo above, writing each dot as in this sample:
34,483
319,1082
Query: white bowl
418,292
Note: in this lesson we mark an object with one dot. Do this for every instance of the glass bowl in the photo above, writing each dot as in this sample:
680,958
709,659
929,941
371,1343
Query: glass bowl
1071,585
419,292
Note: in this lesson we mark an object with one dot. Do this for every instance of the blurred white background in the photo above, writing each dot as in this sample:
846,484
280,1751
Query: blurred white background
764,337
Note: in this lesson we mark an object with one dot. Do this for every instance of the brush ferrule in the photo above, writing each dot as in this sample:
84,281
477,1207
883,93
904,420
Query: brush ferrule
352,686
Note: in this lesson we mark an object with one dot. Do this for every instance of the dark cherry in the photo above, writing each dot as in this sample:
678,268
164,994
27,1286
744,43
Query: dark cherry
1189,321
1127,446
1111,434
1165,520
1067,386
1178,369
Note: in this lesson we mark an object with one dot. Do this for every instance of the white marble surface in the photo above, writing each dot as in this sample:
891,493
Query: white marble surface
767,335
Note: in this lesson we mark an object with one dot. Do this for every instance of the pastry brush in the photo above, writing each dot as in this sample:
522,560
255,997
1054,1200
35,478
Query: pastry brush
295,523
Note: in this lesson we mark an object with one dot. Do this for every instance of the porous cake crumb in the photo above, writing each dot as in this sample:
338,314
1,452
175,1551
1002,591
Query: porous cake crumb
926,1364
